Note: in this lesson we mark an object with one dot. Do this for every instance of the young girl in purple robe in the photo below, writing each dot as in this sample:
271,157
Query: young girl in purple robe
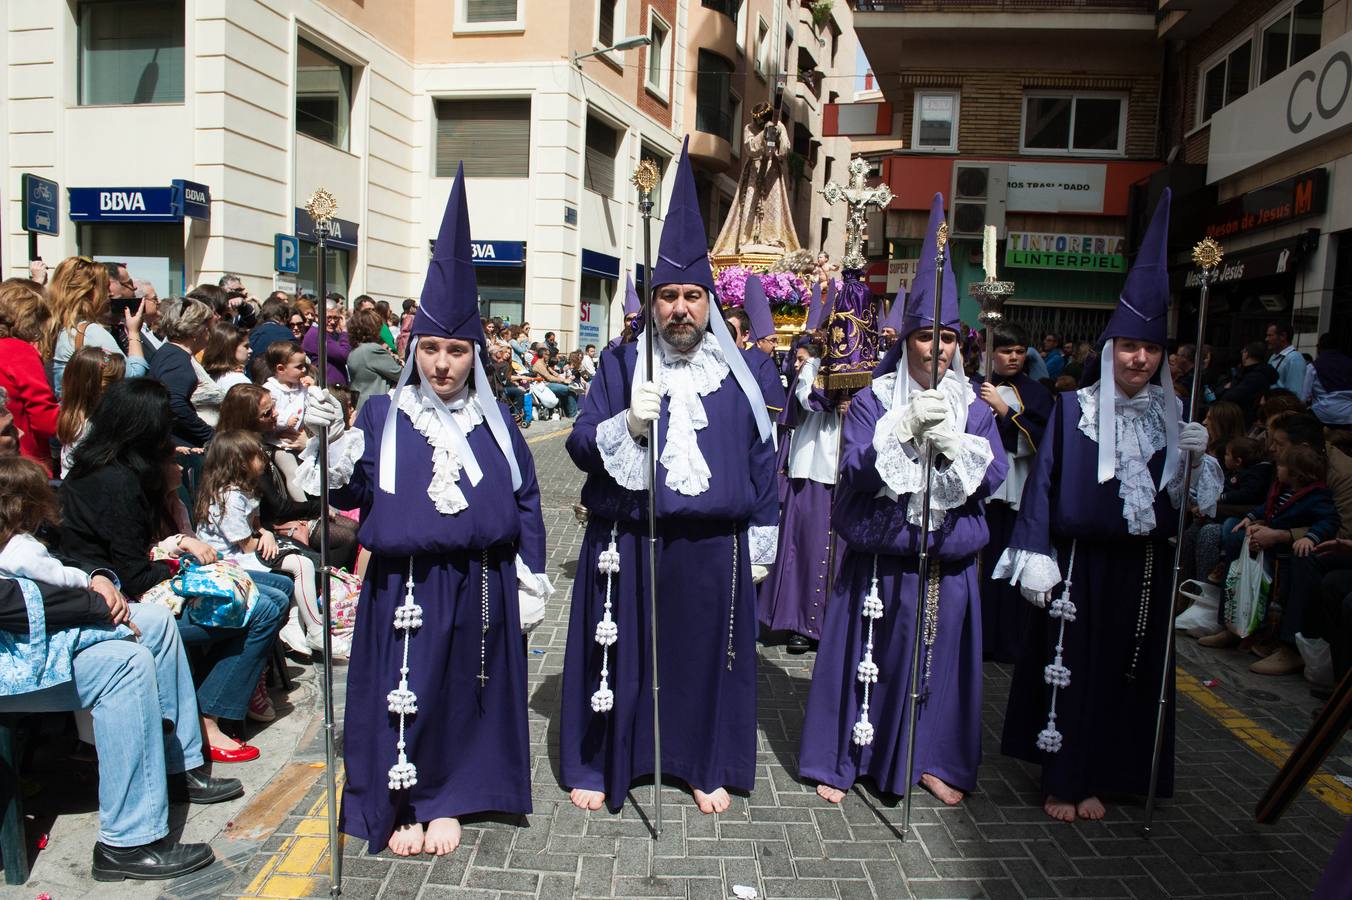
435,723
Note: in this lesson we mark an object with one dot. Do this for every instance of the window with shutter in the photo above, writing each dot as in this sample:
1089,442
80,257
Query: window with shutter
491,137
602,141
713,96
605,23
478,12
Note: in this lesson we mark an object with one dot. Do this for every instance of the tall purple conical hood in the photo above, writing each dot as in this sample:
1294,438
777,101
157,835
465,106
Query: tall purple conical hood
1142,310
757,306
683,253
919,308
449,305
896,313
815,307
632,305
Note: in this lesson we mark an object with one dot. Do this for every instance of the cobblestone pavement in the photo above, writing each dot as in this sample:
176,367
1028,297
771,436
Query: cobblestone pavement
783,842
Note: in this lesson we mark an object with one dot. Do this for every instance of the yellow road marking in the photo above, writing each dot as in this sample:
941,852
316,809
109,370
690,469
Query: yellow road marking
1263,742
544,437
301,860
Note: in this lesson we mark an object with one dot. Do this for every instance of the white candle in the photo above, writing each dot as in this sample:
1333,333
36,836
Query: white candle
988,252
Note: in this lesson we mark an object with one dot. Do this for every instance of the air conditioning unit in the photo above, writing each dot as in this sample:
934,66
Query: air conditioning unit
978,198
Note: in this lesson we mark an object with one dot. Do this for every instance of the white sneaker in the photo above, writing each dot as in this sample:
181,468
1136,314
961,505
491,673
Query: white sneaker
294,637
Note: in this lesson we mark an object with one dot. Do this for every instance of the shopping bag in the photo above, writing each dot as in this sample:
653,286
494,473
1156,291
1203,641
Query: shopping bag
1248,586
344,591
1199,619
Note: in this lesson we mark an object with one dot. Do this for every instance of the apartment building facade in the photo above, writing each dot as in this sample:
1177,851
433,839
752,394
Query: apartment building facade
1262,161
184,136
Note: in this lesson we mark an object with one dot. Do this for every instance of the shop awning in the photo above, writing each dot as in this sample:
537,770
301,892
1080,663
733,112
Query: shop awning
181,199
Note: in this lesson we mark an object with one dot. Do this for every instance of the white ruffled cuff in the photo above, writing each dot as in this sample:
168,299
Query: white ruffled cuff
533,592
1208,483
1035,574
898,462
344,453
902,469
764,544
623,457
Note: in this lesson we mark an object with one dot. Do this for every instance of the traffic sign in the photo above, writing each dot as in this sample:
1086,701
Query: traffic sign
286,253
41,205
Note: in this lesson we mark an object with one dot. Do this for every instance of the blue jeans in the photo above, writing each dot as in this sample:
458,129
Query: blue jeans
132,687
1231,541
235,656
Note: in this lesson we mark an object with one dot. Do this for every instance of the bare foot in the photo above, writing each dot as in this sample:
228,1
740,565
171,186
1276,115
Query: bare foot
217,738
443,836
587,799
1059,810
948,794
407,840
830,794
1090,808
717,802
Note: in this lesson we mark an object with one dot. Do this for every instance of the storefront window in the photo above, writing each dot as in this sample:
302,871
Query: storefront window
594,316
502,292
337,274
152,251
323,95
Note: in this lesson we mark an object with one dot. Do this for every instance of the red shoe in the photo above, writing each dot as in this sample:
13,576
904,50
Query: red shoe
243,753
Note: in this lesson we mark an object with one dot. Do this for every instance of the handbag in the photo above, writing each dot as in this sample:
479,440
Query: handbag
543,395
219,595
1248,587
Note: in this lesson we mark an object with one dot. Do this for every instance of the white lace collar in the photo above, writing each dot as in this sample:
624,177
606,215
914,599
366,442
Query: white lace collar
684,378
444,488
1140,433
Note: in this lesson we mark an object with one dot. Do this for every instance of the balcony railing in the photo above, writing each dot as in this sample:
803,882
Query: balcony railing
956,6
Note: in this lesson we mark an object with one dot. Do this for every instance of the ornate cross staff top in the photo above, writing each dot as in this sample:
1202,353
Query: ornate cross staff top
859,199
322,207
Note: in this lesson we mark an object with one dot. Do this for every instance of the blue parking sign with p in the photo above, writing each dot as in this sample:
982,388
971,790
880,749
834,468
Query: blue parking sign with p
287,254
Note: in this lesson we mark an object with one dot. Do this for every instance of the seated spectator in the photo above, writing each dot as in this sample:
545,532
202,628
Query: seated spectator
507,386
1224,422
288,382
589,362
82,315
23,321
226,357
276,322
371,367
556,383
1248,474
118,476
283,507
87,376
335,336
1253,377
1328,384
186,326
142,765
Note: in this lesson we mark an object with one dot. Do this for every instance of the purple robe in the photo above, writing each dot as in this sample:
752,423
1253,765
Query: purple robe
766,372
1107,714
708,698
948,738
470,742
1004,611
793,597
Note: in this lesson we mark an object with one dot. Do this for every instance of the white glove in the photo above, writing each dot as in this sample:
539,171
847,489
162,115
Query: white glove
1037,598
644,406
946,441
759,573
926,410
323,410
1192,437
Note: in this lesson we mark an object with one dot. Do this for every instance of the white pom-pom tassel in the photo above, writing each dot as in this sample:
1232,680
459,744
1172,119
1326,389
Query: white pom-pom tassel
1056,675
403,774
873,605
608,562
408,616
867,670
863,730
402,701
1062,608
606,631
1049,739
604,698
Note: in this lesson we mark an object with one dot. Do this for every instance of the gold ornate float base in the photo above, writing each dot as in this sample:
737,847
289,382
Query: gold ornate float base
756,262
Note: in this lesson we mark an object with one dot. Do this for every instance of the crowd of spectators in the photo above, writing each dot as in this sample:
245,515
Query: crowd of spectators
139,434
